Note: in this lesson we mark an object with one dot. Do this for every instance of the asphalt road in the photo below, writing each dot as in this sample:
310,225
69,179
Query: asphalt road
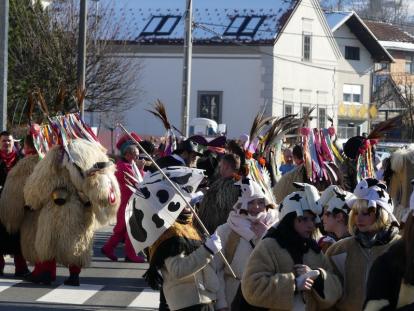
105,285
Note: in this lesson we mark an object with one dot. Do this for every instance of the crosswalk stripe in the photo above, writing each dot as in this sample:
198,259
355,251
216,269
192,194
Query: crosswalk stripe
7,283
70,294
148,299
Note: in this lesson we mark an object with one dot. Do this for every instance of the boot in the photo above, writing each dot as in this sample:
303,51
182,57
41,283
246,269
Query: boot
21,269
44,277
109,254
72,280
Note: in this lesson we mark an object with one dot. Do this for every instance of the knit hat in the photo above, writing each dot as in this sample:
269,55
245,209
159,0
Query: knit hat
334,197
249,190
305,199
375,192
126,141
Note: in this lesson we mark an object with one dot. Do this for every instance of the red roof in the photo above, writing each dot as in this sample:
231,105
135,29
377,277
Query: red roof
388,32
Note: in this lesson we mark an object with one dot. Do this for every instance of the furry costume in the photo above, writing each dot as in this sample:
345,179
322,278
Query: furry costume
218,202
12,200
400,188
386,289
69,194
285,186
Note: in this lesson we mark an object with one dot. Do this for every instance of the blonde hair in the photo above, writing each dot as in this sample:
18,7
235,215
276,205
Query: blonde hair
383,219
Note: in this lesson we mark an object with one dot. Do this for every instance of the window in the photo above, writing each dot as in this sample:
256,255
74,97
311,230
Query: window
305,101
307,47
160,25
288,108
409,64
351,53
288,101
209,105
244,26
322,118
352,93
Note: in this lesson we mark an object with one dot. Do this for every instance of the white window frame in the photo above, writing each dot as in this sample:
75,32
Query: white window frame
352,90
305,57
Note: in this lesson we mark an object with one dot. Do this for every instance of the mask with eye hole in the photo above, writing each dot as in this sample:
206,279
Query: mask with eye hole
93,176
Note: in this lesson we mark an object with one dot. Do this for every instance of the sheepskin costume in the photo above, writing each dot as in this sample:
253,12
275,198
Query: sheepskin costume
70,193
402,166
12,203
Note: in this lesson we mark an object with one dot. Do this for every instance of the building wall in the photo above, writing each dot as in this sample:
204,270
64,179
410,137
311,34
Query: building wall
353,72
398,70
299,77
238,74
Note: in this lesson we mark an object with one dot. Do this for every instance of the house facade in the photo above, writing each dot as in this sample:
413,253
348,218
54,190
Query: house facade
394,84
361,51
262,56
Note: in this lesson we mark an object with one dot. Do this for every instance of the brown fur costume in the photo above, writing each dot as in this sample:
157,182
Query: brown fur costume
217,203
400,188
64,230
285,185
12,200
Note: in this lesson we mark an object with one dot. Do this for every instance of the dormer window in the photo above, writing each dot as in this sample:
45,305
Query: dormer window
160,25
244,25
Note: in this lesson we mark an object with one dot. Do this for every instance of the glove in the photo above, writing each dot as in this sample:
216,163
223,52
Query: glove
213,243
305,281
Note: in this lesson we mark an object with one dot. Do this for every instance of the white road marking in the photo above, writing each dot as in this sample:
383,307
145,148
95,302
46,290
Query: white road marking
71,294
148,298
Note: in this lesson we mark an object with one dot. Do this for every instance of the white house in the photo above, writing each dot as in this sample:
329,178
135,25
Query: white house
360,51
277,56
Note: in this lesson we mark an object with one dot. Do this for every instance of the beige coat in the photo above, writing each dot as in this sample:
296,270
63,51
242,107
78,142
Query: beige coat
189,280
352,263
269,282
238,263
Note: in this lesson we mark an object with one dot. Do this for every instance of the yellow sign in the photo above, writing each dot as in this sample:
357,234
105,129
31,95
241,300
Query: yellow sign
353,111
373,112
363,112
342,111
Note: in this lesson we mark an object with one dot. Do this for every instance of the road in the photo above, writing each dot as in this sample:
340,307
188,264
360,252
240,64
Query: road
105,285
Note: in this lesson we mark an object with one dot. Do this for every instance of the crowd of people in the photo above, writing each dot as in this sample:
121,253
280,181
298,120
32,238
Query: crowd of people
303,247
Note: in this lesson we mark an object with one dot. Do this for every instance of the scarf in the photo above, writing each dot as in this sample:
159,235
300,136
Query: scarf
9,159
382,237
181,237
241,224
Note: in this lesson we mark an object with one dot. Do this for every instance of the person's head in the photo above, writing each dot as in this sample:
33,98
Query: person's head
130,153
287,156
252,201
297,154
6,142
29,147
334,203
148,146
305,225
305,206
189,151
367,219
229,165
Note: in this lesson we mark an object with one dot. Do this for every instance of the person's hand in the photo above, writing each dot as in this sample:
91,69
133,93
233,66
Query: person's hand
259,228
303,283
214,243
301,269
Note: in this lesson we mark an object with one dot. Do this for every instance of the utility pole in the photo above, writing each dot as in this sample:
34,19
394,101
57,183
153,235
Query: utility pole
188,52
82,50
4,35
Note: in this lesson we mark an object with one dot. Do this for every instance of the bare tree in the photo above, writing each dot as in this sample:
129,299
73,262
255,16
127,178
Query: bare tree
43,55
